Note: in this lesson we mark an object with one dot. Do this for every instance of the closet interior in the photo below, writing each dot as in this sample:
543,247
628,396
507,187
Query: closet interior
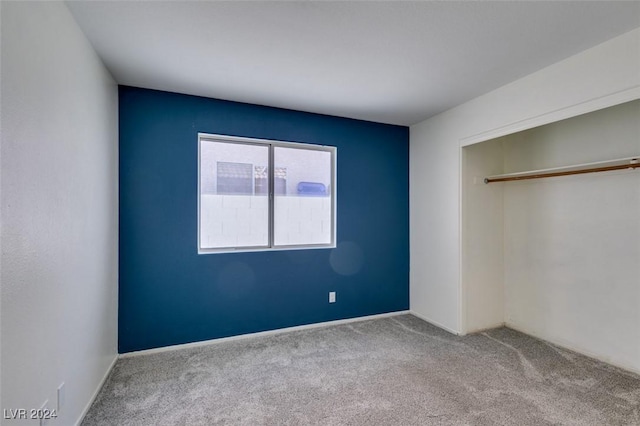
557,257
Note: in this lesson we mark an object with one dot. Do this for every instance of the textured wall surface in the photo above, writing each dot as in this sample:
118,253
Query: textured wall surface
59,212
171,295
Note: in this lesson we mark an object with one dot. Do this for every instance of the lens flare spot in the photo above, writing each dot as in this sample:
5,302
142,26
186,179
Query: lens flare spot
347,258
236,280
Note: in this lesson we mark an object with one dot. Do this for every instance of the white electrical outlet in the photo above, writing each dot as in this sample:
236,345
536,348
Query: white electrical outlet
332,297
61,396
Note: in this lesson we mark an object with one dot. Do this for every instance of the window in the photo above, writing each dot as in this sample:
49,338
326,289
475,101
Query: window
256,194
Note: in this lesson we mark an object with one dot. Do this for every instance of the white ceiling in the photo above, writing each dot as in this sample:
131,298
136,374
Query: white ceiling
391,62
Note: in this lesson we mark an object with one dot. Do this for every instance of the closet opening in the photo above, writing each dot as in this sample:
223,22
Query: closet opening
557,257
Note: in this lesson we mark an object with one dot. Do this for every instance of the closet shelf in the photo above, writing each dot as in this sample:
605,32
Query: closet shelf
601,166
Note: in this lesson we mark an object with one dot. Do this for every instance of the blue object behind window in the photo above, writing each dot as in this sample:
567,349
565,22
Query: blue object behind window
311,188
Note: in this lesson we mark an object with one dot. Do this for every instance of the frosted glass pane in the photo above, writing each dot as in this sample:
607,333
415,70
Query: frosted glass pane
234,202
303,208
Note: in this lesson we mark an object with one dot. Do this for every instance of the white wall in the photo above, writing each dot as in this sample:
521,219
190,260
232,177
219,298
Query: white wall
482,237
242,220
572,243
1,251
602,76
59,212
234,220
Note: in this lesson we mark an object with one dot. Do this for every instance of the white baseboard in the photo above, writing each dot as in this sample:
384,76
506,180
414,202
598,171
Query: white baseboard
259,334
566,345
96,392
432,322
486,328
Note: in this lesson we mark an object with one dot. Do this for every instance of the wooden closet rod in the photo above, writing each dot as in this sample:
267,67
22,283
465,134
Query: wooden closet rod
633,164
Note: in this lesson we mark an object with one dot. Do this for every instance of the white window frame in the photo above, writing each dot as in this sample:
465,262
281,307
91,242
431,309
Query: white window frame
271,144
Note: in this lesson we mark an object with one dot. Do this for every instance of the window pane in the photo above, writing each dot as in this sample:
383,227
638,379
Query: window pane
302,209
234,202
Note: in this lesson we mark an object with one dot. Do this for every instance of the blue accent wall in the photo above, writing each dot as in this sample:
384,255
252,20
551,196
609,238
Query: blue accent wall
171,295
